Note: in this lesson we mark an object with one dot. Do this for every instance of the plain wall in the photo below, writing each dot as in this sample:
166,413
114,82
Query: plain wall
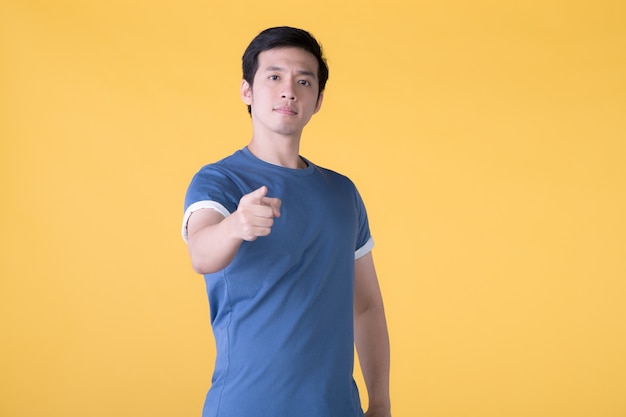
486,137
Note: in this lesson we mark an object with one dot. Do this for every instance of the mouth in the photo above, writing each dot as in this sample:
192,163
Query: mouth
286,110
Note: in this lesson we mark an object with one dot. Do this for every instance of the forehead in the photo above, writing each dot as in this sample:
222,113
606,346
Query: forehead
288,58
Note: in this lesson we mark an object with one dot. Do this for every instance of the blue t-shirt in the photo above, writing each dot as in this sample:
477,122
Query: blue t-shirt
282,310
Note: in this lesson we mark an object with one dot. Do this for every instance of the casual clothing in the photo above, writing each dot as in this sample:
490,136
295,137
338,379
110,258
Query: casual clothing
282,310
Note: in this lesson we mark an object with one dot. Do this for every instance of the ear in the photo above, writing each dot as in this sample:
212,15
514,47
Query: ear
318,106
246,92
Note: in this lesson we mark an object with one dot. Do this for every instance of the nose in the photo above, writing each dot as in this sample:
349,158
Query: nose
288,91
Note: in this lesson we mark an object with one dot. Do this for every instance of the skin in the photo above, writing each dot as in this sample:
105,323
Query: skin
283,97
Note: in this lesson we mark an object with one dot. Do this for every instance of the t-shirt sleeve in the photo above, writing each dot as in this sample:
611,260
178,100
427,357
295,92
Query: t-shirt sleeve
210,188
365,242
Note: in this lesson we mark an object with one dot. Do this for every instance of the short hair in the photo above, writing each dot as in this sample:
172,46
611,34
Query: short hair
282,37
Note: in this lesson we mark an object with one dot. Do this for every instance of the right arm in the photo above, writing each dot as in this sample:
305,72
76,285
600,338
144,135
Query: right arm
213,240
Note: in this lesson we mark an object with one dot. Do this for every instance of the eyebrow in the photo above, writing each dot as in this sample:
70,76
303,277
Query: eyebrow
299,72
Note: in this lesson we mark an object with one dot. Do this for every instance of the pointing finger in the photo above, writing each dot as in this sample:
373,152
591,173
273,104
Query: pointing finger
274,203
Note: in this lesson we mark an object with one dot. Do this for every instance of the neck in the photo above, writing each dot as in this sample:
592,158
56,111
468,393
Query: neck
280,150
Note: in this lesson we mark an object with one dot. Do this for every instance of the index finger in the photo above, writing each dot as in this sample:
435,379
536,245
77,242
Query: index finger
274,203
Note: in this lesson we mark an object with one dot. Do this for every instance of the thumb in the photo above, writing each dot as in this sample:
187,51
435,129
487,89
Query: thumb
257,195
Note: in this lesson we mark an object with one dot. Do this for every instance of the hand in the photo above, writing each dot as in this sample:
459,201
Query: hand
255,214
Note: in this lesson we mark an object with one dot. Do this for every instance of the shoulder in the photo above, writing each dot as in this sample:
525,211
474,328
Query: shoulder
222,170
218,181
225,164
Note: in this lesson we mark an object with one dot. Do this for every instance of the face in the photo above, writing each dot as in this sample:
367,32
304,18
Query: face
284,94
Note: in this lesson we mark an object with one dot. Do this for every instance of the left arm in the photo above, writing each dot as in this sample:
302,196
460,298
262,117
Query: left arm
371,336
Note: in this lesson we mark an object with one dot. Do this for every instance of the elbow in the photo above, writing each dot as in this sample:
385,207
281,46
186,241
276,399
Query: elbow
369,308
200,261
201,266
199,269
205,264
208,259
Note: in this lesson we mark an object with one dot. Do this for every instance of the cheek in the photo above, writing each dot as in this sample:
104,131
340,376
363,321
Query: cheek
262,94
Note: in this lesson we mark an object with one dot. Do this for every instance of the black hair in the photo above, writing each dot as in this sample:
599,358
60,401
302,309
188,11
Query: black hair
280,37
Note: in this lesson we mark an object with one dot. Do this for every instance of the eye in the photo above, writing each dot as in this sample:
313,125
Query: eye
273,77
304,82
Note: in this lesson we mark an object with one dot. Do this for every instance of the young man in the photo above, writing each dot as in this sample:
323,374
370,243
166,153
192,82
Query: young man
285,249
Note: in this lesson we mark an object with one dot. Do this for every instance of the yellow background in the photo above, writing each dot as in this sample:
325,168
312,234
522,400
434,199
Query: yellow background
487,139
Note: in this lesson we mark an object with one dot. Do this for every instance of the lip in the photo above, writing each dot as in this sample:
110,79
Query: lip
286,110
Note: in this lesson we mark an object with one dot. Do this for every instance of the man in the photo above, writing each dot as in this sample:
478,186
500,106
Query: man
285,249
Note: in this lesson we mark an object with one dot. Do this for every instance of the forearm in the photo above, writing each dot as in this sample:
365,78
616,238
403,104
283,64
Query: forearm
214,240
213,247
372,343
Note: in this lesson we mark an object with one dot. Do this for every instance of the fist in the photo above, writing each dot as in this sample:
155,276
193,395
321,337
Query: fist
255,214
